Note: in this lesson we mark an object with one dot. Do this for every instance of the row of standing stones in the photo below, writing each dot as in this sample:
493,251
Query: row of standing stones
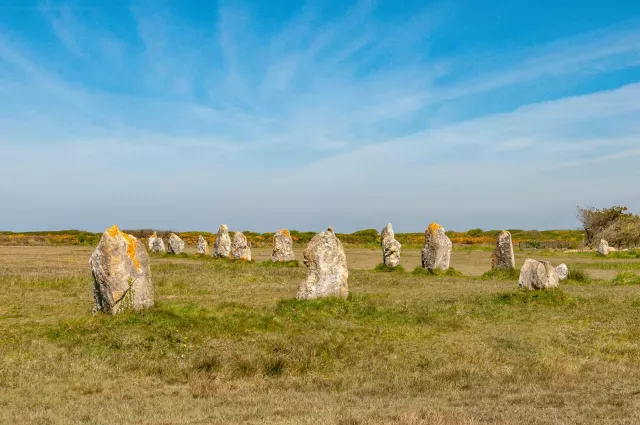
122,276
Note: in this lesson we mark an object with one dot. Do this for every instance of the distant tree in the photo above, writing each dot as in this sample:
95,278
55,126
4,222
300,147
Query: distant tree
616,225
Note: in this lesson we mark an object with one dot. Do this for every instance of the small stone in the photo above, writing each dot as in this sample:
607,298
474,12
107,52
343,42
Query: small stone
327,272
563,272
436,252
282,246
503,257
538,275
390,247
156,244
240,248
603,248
203,246
121,273
222,245
175,245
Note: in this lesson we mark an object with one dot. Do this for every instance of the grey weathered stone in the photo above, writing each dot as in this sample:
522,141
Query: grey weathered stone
175,245
282,246
390,247
156,244
327,272
603,247
203,246
241,247
121,273
538,275
436,252
222,245
563,272
503,257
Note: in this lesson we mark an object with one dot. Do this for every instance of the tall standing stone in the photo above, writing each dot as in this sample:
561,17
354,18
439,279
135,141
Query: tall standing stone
282,246
327,272
503,257
436,252
175,245
222,245
203,246
390,247
538,275
240,248
121,273
603,247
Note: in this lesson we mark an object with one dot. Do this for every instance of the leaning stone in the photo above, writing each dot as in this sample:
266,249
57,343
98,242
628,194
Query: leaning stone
175,245
203,246
436,252
563,272
390,247
503,257
282,246
538,275
603,248
240,248
222,245
327,272
121,273
156,244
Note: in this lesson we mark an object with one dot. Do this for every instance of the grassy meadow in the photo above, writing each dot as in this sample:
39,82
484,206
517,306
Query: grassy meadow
228,343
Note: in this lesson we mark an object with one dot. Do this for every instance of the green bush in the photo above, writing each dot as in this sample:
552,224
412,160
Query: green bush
501,274
626,278
578,275
386,269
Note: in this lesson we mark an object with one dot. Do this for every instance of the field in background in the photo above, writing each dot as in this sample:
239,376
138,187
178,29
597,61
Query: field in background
227,343
363,238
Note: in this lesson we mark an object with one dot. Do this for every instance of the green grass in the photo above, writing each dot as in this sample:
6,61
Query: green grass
450,272
626,278
386,269
578,275
286,264
501,274
605,265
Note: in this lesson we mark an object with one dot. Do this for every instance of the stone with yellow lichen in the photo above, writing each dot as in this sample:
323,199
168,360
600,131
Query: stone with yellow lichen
282,246
175,245
327,272
121,273
240,248
156,244
436,251
390,247
222,245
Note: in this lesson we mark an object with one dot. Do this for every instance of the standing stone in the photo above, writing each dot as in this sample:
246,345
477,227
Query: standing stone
175,245
240,248
156,244
503,257
563,272
327,271
203,246
603,248
121,273
222,245
436,252
390,247
282,246
538,275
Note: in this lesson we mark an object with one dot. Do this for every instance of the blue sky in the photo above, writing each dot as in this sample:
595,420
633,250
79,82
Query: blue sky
270,114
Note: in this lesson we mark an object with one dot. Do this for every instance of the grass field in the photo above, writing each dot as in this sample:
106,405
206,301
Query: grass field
227,343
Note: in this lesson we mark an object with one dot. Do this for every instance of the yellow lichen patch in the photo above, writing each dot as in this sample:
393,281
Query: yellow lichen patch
286,233
433,228
131,244
113,231
155,235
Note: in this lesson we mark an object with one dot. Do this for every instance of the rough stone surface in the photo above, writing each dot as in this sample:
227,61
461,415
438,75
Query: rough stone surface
156,244
175,245
282,246
563,272
503,257
240,248
390,247
222,245
603,248
327,272
121,273
538,275
436,252
203,246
